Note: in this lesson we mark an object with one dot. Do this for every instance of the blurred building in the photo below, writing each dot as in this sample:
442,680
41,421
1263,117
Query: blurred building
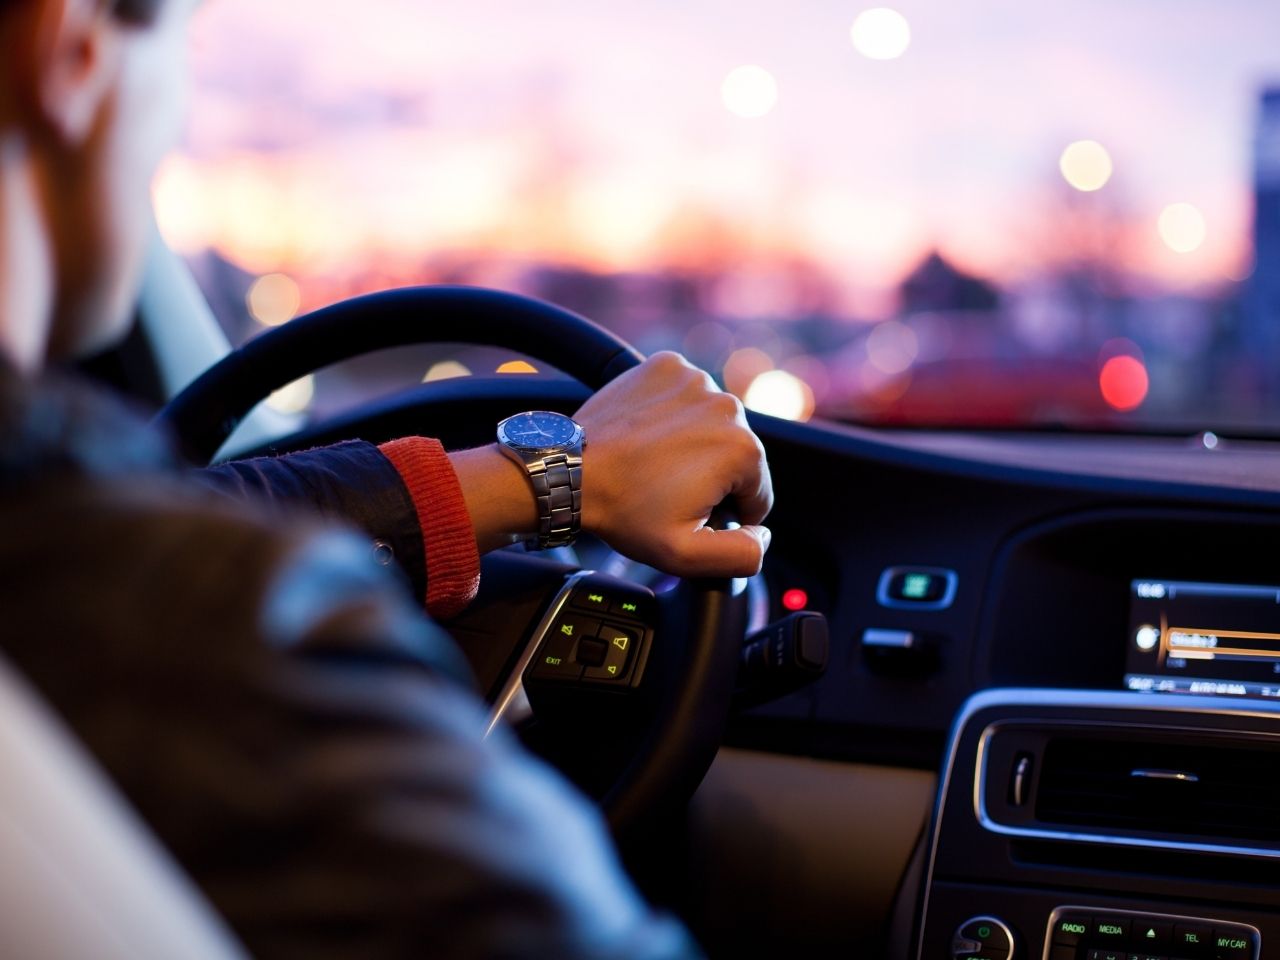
1262,311
936,284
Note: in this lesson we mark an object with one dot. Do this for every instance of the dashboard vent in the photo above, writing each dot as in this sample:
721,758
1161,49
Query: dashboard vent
1186,788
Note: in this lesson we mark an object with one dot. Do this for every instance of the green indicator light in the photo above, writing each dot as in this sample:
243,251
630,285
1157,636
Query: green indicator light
629,607
567,629
984,932
595,597
1151,934
916,585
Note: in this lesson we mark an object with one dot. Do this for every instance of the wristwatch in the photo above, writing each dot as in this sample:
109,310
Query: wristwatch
549,447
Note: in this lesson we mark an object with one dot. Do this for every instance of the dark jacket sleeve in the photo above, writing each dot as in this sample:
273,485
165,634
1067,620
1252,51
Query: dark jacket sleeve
292,727
351,482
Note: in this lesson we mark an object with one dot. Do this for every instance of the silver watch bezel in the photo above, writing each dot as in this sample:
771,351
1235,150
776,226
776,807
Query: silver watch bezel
569,446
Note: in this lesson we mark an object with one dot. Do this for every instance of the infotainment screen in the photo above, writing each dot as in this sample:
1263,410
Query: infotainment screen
1204,638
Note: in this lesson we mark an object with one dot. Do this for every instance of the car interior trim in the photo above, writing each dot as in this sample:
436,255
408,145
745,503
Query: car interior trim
508,704
992,825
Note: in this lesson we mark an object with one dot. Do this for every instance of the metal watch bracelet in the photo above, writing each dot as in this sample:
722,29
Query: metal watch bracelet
557,487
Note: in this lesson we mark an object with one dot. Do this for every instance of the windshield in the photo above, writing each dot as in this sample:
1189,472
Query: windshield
991,213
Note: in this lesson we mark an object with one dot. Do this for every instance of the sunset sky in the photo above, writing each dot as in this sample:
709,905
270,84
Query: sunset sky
329,137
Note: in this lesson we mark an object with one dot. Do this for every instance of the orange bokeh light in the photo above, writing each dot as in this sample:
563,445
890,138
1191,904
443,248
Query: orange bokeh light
1124,382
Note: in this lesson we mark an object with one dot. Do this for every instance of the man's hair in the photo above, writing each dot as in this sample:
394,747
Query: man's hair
139,12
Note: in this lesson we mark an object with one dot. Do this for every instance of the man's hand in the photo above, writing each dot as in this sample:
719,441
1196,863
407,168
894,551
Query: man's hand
664,446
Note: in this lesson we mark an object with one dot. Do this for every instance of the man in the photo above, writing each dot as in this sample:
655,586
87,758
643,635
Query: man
267,696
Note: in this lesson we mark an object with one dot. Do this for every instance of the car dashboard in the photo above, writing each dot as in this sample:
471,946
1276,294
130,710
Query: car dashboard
1082,634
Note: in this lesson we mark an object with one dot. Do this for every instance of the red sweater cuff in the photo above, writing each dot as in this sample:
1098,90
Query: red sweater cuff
448,538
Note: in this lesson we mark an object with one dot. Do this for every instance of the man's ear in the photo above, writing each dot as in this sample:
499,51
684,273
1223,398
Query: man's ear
70,67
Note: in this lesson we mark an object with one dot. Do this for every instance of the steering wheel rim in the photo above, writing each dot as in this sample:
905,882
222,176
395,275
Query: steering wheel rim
206,412
689,723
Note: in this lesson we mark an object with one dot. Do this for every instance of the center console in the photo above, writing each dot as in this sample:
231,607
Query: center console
1118,825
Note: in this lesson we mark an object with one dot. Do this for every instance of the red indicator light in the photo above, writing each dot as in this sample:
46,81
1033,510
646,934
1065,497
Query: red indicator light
795,599
1124,382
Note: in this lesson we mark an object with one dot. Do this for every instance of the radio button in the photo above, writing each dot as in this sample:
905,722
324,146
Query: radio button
1071,929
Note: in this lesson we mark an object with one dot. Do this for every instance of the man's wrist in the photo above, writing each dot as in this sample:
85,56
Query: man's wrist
498,495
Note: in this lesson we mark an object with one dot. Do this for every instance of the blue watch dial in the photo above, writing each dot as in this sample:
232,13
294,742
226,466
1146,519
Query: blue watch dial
540,429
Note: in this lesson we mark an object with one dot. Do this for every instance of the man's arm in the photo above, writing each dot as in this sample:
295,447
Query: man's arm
664,447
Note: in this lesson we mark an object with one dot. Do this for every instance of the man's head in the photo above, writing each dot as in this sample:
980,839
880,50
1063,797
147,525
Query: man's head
91,97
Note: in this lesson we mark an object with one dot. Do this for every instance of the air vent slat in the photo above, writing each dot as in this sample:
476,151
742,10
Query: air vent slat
1230,791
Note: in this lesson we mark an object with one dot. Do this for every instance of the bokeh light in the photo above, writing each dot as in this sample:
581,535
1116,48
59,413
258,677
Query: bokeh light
1086,165
780,394
742,368
446,370
273,299
749,91
892,347
1182,227
795,599
182,211
881,34
1123,382
295,397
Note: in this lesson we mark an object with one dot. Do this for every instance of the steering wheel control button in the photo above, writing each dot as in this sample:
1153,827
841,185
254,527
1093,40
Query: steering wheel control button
618,646
916,588
589,598
982,938
555,661
632,607
1071,930
592,651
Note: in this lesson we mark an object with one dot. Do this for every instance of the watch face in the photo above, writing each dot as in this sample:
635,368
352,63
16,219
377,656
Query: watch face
539,429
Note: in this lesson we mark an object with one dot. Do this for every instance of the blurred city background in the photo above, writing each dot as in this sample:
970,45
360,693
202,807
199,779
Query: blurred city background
990,213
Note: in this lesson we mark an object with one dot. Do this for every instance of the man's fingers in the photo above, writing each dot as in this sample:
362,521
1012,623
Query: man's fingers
722,553
754,497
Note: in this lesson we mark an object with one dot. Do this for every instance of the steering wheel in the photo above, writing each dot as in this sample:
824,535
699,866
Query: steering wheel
678,719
